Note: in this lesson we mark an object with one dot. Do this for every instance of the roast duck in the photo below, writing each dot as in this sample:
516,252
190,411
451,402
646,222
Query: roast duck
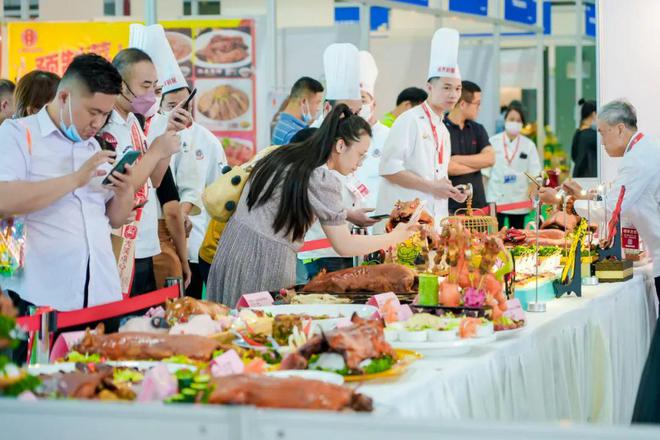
362,340
145,346
85,382
290,393
375,278
224,49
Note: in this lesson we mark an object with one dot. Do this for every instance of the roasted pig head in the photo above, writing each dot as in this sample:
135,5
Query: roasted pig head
180,309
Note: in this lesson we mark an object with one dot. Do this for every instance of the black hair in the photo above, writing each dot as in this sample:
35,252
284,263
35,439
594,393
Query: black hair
515,108
94,72
588,107
7,87
468,90
414,95
288,169
127,57
303,135
305,85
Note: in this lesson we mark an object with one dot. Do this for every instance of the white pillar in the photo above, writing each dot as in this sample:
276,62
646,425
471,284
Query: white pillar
497,43
579,18
273,46
365,26
540,128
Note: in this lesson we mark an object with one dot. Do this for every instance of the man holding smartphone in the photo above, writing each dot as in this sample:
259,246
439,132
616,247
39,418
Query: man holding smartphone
49,174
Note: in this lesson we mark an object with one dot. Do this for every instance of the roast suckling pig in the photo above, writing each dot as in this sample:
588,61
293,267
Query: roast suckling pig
290,393
402,213
144,346
377,278
356,343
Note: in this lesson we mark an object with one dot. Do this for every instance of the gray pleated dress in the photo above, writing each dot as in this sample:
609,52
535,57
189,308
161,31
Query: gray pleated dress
251,257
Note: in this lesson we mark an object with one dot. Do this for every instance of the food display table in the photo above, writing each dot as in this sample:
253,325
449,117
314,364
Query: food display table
580,361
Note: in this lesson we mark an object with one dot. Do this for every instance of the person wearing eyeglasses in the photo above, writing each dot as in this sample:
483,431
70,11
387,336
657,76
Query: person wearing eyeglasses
470,148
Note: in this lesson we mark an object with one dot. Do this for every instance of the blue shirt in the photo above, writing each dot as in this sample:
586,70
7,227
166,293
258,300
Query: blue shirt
287,126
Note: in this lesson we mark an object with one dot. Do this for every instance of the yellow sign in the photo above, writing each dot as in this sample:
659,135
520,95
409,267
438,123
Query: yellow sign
52,46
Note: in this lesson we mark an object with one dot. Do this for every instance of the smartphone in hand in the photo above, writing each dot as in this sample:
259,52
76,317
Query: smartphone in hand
127,159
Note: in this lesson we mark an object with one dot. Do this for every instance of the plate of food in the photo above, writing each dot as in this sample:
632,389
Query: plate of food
324,317
224,102
181,45
358,352
223,48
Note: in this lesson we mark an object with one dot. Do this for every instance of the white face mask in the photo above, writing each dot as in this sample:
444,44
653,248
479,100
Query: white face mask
365,112
513,128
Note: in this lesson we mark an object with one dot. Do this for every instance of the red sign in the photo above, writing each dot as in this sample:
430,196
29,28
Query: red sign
629,238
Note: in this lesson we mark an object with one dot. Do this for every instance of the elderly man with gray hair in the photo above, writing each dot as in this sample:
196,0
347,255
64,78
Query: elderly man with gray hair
639,172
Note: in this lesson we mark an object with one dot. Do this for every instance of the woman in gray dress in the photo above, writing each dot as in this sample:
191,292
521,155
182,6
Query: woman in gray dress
287,191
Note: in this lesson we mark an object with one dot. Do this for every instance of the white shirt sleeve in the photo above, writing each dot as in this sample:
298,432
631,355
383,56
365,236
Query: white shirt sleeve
399,144
14,152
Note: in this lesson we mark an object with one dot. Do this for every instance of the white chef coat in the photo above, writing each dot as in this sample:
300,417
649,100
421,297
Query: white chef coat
147,243
410,147
63,237
640,174
197,165
507,183
368,172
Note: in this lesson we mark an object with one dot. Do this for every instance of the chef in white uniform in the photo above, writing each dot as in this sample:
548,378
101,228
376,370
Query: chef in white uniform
417,150
368,172
341,63
197,165
638,172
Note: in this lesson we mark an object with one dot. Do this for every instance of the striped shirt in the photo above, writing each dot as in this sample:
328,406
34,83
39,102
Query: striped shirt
287,126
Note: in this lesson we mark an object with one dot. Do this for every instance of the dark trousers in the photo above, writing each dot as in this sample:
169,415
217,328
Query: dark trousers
331,264
515,220
196,286
647,406
144,280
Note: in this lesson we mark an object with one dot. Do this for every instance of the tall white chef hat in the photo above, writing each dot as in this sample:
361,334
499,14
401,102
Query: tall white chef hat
342,71
368,72
152,40
444,54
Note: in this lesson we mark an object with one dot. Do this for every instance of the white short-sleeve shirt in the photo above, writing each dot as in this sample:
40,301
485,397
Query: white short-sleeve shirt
62,238
410,146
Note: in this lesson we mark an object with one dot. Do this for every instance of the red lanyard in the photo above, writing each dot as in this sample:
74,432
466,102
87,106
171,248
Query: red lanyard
506,150
638,137
439,147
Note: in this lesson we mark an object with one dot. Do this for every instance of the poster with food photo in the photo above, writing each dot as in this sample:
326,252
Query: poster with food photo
225,104
224,52
239,147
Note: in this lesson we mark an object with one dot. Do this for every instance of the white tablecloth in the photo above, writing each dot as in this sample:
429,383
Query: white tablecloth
580,361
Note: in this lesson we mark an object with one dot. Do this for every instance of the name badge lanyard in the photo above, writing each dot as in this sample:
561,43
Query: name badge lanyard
439,147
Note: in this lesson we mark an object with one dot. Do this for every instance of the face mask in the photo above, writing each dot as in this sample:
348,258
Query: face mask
71,132
594,126
306,115
143,104
153,110
513,128
365,112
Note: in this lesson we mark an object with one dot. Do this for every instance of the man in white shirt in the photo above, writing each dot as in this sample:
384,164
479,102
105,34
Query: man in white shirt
638,172
137,97
49,175
417,151
640,175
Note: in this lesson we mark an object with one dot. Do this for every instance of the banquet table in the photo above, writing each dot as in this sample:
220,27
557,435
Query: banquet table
581,360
